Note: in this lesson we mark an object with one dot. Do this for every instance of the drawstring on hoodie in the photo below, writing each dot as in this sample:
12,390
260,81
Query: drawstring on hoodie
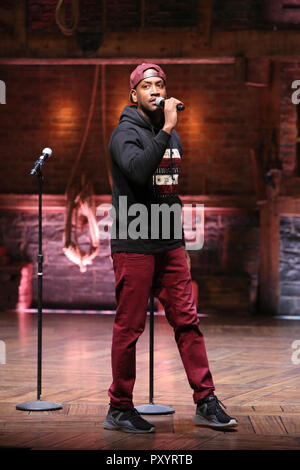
171,160
172,173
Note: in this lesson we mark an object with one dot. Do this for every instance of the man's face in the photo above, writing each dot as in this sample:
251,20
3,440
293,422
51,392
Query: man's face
146,92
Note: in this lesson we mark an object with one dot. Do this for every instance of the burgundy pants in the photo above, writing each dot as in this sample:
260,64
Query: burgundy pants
165,275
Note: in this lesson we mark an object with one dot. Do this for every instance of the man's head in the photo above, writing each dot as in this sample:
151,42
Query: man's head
147,82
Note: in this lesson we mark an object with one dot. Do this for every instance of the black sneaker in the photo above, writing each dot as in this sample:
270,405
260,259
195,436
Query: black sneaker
127,421
210,413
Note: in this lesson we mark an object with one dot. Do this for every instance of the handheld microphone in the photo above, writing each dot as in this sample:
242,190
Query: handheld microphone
46,152
160,102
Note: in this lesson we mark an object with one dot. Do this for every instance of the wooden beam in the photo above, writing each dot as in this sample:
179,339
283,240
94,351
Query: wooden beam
204,11
142,14
167,43
123,61
269,259
20,33
258,176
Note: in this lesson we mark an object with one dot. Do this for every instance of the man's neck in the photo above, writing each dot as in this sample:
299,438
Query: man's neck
155,118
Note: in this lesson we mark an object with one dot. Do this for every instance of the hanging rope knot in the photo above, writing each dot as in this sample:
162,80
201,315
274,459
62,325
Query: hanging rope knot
60,17
81,213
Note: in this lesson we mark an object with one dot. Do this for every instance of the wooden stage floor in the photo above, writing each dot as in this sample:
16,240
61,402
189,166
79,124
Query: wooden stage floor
251,358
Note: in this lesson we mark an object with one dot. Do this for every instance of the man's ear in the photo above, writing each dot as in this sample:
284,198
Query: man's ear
133,96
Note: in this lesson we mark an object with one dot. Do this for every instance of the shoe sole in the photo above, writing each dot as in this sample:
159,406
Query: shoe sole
116,427
199,421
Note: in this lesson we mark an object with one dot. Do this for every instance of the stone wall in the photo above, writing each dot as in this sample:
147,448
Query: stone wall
224,269
63,283
289,266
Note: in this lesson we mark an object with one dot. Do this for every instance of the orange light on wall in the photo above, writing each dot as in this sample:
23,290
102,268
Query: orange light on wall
65,116
25,287
120,106
67,111
194,115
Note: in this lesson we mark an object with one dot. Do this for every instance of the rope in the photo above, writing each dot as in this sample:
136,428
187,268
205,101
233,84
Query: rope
60,17
87,127
80,207
103,116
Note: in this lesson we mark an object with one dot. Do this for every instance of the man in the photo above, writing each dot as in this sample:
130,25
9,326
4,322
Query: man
146,154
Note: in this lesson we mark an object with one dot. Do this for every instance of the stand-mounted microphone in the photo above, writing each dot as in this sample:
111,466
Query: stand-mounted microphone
161,103
47,152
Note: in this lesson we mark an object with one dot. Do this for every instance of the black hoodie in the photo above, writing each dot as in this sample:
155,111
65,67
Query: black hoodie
145,163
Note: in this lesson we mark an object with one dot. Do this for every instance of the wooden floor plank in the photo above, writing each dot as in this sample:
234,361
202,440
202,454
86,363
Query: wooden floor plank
268,425
254,442
250,359
291,423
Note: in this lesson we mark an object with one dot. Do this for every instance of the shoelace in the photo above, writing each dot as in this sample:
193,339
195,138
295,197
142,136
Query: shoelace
219,401
216,399
220,413
215,405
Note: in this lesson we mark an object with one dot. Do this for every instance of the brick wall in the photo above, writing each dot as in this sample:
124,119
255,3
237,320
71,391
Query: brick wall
48,106
239,14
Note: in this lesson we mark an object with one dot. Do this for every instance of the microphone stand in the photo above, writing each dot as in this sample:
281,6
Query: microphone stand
39,404
151,408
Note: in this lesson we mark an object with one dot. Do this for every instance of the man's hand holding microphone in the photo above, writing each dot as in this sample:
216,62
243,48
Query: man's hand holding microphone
170,107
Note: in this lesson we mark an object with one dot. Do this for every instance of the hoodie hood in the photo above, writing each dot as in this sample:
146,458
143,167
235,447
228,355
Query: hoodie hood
132,115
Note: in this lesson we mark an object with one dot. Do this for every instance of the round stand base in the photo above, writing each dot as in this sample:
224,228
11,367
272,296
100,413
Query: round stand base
152,409
38,405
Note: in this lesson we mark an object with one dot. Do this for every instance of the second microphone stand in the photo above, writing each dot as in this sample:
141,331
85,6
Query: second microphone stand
151,408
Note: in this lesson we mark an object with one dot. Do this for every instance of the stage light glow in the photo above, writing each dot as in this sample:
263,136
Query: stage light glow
66,116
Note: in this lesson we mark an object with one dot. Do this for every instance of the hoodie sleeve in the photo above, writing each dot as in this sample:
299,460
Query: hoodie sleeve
137,163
